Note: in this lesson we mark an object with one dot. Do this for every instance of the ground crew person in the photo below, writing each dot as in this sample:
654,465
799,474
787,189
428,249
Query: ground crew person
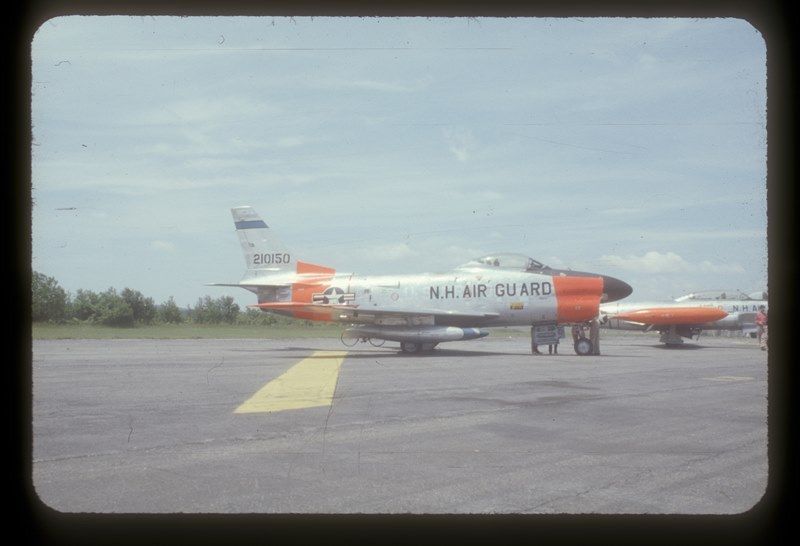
761,323
534,347
553,348
594,336
577,333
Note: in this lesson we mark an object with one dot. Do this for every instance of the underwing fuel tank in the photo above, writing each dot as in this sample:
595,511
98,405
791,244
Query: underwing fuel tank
416,334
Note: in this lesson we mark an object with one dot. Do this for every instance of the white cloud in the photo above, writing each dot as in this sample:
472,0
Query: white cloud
554,262
647,62
203,110
291,142
391,252
668,262
709,267
460,142
162,246
703,235
489,195
621,211
393,87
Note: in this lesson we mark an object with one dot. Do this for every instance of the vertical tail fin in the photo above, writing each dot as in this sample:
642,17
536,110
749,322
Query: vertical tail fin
264,255
263,252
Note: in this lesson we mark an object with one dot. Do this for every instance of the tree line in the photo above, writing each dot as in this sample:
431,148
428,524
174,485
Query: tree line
128,308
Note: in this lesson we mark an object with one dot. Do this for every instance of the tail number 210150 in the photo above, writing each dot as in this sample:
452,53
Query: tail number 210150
269,259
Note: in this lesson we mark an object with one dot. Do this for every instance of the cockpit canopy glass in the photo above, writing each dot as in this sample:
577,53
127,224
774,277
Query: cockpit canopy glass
723,295
519,262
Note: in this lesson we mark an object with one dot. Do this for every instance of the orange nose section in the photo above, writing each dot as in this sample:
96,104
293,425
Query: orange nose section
674,315
578,297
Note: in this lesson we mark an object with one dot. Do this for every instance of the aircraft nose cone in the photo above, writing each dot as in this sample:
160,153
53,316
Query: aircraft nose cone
615,289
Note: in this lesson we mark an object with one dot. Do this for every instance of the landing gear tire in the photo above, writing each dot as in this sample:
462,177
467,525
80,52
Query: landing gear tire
583,347
377,342
410,347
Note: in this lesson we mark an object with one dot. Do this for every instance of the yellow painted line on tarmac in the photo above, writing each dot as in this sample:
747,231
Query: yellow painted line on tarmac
308,384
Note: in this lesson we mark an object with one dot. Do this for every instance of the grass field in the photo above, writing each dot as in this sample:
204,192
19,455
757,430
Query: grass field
183,331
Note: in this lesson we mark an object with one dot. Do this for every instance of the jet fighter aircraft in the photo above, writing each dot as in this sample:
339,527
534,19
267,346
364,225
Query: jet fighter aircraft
422,310
687,316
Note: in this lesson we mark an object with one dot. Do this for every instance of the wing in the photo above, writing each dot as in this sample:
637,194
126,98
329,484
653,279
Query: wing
352,313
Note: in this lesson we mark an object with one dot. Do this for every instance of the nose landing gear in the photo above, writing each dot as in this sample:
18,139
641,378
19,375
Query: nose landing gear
583,347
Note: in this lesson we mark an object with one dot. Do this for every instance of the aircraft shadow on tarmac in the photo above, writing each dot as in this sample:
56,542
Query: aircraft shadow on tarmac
684,347
692,347
389,352
392,353
395,352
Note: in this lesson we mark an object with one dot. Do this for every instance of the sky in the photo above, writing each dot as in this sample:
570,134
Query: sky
630,147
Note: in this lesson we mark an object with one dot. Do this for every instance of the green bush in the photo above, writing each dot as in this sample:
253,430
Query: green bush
49,302
170,313
107,308
215,311
85,305
144,310
52,303
116,312
113,310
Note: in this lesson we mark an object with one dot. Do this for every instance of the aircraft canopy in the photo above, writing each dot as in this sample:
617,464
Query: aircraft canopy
736,295
508,260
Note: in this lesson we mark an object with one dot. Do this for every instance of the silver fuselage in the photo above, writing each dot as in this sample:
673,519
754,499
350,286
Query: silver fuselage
515,298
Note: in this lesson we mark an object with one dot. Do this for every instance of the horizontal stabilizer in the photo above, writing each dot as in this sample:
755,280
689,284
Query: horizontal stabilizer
296,306
245,285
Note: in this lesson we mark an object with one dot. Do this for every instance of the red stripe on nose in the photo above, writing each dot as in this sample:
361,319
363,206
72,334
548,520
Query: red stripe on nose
578,298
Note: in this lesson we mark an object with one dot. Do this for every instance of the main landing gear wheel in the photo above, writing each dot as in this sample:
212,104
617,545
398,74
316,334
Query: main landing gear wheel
583,347
377,342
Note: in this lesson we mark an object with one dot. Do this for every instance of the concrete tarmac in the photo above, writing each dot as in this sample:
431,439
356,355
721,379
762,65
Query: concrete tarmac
483,426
